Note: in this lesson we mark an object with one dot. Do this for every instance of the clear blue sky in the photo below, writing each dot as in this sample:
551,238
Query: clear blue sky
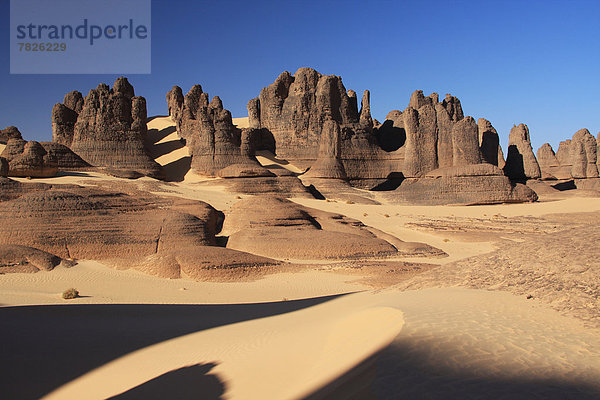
536,62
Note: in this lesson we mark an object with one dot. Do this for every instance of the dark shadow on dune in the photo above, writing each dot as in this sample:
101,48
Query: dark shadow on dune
389,137
402,373
161,149
188,383
155,135
44,347
315,192
176,170
154,117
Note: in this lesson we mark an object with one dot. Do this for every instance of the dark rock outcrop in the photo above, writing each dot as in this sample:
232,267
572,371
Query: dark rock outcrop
3,167
175,103
29,159
521,163
465,143
64,117
420,154
489,143
65,158
212,138
110,130
10,132
550,166
16,258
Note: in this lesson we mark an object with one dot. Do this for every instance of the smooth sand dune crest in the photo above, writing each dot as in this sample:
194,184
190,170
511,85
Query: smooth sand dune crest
242,122
282,357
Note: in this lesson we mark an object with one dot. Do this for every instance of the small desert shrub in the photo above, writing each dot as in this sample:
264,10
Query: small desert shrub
238,197
365,214
446,240
386,215
349,202
70,294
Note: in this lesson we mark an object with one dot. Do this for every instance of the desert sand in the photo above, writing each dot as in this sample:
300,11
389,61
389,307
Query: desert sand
479,323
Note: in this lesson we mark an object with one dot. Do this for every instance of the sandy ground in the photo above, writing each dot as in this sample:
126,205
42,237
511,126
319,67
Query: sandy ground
285,336
2,147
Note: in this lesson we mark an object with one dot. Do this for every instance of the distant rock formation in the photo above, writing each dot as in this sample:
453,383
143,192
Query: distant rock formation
10,132
295,107
576,158
489,143
107,128
64,117
462,185
29,159
583,155
213,140
521,163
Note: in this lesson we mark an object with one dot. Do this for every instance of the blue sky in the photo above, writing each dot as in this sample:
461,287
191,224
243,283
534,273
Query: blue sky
536,62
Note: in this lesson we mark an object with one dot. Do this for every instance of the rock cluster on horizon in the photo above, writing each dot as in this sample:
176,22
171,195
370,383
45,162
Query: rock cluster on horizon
107,128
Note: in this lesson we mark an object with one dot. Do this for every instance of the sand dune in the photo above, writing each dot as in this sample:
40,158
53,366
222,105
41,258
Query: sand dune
241,122
2,147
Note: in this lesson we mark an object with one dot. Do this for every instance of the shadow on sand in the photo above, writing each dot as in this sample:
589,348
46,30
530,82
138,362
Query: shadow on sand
188,383
44,347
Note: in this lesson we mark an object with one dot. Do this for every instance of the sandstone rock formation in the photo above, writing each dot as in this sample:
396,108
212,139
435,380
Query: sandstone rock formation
521,163
175,103
213,140
65,158
10,132
3,167
489,143
289,230
583,155
167,237
465,143
107,128
64,117
294,109
420,154
29,159
16,258
328,164
550,166
463,185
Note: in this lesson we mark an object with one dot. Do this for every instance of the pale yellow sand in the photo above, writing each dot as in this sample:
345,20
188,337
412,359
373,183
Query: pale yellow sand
267,159
103,285
241,122
455,343
2,147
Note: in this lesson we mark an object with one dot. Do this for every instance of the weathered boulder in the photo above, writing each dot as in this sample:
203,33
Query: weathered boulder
10,132
110,130
583,155
465,143
521,163
16,258
489,143
29,159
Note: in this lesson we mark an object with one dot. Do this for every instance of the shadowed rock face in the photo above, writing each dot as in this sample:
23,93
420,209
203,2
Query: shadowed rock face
175,103
489,143
3,167
521,163
29,159
106,129
10,132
